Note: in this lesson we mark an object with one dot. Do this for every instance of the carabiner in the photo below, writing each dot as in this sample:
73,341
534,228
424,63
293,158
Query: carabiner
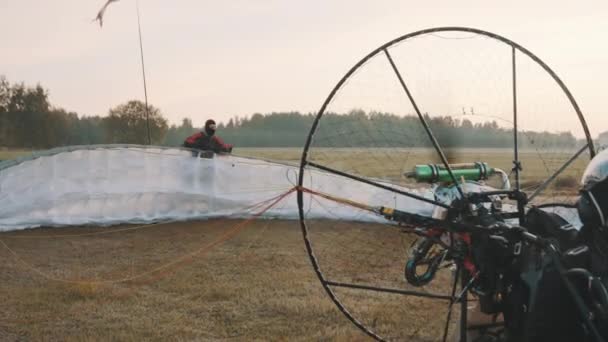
418,256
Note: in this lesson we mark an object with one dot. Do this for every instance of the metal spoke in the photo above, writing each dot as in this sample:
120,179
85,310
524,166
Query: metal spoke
557,173
389,290
424,124
376,184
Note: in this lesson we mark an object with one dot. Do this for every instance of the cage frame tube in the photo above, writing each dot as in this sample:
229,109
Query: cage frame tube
338,86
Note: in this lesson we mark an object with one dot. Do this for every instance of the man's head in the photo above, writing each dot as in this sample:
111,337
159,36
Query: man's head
593,203
210,127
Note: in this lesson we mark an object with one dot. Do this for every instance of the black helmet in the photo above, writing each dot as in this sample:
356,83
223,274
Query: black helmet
210,127
593,203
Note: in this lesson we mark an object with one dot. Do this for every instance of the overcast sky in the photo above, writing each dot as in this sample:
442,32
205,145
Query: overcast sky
237,57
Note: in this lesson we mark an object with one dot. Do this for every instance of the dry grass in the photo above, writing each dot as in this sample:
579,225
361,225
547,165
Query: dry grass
6,154
391,164
537,163
256,286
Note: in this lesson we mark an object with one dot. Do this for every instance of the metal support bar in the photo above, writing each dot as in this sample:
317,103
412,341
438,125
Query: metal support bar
388,290
463,305
446,328
557,173
516,164
425,124
376,184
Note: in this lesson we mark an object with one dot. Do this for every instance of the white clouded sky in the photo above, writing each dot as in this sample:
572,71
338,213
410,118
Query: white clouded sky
236,57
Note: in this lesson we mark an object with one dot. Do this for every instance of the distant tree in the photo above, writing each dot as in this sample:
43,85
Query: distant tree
5,123
187,124
602,140
126,123
5,94
177,134
466,123
28,120
88,131
256,121
24,115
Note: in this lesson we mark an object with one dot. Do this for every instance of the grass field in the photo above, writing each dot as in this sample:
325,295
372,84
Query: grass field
257,286
7,154
391,164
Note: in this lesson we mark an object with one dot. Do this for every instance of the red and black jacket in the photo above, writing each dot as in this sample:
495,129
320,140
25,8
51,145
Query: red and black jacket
205,142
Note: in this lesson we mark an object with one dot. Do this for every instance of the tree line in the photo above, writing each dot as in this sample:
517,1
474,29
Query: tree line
28,120
376,129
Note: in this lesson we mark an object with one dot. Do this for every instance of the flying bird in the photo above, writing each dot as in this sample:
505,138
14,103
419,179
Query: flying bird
102,11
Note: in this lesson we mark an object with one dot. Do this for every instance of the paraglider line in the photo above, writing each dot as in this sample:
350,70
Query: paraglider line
162,270
143,71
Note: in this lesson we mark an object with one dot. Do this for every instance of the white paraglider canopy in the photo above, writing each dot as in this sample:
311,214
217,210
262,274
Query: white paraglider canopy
116,184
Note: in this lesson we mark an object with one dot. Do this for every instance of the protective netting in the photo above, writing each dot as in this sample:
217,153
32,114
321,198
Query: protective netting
108,185
463,84
375,255
467,87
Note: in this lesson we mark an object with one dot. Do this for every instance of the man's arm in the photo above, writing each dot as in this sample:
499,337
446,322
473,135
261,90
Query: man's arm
221,146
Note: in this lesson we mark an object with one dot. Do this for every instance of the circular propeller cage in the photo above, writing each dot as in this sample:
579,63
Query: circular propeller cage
435,98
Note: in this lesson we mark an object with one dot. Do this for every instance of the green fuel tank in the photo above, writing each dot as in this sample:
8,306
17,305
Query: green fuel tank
432,173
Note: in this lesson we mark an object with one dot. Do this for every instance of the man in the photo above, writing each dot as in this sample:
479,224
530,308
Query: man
207,140
554,316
